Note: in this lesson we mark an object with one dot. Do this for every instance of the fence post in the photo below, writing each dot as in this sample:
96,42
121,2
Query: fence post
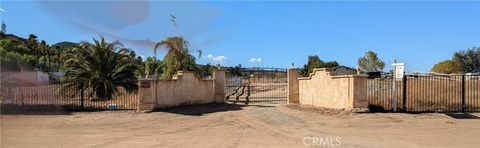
82,107
293,88
463,93
404,93
219,81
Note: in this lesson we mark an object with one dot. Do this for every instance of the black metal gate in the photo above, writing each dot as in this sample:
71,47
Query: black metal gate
425,93
51,97
256,84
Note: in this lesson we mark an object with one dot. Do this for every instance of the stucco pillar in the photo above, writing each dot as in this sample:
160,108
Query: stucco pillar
146,96
293,92
219,85
359,96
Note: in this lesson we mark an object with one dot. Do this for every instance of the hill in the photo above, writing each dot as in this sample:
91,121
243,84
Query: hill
14,38
64,44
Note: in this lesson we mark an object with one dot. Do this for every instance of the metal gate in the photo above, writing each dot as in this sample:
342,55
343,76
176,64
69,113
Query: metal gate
425,93
256,84
51,97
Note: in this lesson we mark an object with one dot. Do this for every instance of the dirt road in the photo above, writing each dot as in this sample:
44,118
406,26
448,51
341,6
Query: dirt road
257,125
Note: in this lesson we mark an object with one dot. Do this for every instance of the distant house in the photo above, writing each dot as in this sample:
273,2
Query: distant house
342,70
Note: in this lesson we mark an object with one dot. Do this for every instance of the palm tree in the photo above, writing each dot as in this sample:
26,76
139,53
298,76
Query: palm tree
101,66
152,66
44,57
178,56
32,43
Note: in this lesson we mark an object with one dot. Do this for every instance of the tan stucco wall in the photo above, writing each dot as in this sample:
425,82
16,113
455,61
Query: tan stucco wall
185,88
323,89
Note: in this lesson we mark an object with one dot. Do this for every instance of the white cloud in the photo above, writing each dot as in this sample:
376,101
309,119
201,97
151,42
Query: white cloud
255,60
2,10
112,21
220,58
217,59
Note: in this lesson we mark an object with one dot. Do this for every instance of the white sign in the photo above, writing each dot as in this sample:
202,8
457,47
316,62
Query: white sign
399,69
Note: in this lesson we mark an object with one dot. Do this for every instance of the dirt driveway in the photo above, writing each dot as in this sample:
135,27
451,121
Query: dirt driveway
257,125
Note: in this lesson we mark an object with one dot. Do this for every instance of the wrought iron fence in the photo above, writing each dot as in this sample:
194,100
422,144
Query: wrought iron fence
425,93
53,98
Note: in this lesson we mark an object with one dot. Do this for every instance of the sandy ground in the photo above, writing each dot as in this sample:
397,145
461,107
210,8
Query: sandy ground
257,125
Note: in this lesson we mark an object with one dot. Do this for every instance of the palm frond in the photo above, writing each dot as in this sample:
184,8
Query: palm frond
98,66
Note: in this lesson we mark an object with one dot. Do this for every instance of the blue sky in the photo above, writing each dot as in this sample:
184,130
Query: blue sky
273,34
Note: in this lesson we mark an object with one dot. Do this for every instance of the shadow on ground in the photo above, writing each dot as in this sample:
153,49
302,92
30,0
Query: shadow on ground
14,109
377,109
198,110
462,116
27,109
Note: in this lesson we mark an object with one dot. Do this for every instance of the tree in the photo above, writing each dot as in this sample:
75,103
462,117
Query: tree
370,62
206,70
235,71
29,54
44,55
446,67
15,56
101,66
153,66
48,56
178,57
315,62
468,60
32,44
